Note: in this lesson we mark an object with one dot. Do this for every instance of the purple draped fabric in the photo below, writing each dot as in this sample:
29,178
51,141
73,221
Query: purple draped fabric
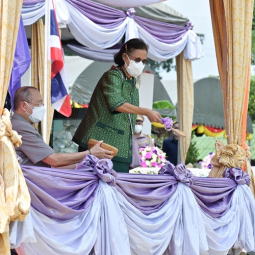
148,192
214,195
158,30
21,61
63,193
109,17
31,2
60,193
106,16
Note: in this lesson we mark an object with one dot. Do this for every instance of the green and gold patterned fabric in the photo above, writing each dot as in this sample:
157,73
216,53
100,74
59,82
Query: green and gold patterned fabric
103,122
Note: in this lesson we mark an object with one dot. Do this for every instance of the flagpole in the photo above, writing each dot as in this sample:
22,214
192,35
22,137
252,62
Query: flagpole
46,59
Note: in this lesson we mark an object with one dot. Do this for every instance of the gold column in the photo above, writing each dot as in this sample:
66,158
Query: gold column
185,90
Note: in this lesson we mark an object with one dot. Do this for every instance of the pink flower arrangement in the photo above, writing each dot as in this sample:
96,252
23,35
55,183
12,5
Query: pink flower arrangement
206,163
152,157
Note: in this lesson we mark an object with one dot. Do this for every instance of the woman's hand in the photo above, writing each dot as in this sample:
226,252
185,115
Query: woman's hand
154,116
99,152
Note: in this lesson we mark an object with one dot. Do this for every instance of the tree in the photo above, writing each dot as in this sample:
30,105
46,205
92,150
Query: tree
253,38
192,154
251,105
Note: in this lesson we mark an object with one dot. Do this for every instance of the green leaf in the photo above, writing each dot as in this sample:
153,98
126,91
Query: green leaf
164,104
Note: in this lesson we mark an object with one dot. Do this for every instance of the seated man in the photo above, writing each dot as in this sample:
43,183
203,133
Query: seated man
142,139
29,109
170,146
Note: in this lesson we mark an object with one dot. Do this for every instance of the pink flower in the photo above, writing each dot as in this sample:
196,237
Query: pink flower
144,164
154,164
140,156
141,149
148,155
159,165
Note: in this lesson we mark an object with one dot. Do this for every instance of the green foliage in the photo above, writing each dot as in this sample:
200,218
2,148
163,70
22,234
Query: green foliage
253,38
193,153
251,105
158,66
67,52
214,76
164,104
253,47
202,37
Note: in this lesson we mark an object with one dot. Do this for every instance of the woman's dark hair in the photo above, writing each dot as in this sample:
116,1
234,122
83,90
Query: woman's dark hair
129,47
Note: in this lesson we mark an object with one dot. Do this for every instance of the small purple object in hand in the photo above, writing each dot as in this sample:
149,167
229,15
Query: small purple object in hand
168,123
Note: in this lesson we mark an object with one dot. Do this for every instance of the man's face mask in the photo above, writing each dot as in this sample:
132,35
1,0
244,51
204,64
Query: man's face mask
138,129
37,114
134,68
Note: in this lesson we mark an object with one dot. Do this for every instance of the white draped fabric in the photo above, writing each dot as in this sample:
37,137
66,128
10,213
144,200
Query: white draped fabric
178,226
113,226
92,35
129,3
106,55
30,14
96,37
235,227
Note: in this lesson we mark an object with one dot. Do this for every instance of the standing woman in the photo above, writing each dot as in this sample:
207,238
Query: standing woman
114,98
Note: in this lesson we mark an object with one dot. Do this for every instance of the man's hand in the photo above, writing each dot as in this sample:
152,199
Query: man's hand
99,152
154,116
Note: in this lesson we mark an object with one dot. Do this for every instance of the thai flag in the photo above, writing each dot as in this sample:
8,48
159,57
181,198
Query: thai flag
60,98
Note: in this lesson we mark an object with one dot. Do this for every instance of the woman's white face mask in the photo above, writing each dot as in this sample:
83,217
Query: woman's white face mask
37,114
134,69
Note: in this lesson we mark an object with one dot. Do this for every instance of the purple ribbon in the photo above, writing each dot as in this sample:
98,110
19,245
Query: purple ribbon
180,172
102,167
183,174
168,168
238,175
189,25
131,12
104,170
87,164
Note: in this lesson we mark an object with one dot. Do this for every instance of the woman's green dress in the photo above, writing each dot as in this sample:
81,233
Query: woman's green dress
103,122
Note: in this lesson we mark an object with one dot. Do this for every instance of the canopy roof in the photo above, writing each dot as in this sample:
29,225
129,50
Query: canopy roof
208,104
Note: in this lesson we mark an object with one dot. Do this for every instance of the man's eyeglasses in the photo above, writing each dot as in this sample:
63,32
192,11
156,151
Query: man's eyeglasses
33,105
138,60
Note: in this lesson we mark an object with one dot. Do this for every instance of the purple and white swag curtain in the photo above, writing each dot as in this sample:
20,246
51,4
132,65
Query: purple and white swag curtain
106,29
94,209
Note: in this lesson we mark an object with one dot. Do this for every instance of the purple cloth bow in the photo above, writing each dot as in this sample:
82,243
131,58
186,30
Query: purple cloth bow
183,174
168,168
102,167
238,175
131,12
180,172
104,170
87,164
189,25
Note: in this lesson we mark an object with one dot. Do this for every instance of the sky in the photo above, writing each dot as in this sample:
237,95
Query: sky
198,12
